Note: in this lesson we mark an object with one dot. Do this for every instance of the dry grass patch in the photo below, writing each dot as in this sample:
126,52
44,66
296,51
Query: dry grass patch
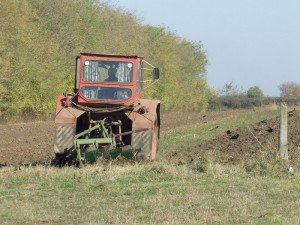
146,194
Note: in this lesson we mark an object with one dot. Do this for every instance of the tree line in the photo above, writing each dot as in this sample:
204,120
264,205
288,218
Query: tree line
39,40
231,96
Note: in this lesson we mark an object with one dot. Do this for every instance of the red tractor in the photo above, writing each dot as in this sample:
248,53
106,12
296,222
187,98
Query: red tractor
106,115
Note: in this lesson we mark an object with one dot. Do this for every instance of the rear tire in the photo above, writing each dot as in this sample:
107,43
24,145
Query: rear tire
148,148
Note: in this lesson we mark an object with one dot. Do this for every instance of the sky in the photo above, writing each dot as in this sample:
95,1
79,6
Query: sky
249,42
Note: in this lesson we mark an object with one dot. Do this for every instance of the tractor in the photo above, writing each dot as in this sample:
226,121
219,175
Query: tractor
106,115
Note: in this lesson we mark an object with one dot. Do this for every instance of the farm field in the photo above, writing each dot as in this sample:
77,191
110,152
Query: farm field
215,168
149,112
32,142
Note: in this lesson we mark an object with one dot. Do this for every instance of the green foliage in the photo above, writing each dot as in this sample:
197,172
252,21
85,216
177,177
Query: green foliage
240,101
39,41
255,92
232,96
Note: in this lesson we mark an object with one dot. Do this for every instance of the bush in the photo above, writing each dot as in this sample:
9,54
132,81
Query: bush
241,101
231,102
255,92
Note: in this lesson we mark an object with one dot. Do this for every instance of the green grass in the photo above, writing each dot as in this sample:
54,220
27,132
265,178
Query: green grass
178,139
146,194
151,193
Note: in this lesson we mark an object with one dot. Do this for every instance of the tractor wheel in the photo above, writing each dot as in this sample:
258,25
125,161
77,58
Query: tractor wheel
148,143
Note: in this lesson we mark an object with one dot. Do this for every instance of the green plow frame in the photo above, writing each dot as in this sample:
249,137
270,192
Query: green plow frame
82,140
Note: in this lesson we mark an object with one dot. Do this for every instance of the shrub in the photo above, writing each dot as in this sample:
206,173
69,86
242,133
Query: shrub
255,92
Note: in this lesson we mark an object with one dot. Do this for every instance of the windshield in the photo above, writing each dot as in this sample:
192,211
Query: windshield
106,93
107,71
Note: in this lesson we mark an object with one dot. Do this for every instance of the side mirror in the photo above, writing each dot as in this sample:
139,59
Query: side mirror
155,74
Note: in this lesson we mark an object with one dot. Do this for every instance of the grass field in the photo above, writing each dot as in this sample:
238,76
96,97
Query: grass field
155,192
192,135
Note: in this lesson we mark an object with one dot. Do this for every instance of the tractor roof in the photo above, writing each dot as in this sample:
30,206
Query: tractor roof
111,55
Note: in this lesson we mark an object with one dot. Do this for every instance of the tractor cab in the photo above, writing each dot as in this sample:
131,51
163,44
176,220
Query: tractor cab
109,79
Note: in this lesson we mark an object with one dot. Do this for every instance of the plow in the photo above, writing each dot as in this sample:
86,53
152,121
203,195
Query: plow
106,115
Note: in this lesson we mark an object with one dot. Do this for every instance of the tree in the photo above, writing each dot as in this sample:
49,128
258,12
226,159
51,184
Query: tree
255,92
231,89
289,89
40,39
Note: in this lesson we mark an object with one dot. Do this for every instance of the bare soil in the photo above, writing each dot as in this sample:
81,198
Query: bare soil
26,143
240,145
32,143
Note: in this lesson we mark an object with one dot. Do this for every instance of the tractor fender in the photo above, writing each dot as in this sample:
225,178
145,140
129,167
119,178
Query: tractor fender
65,125
153,107
146,115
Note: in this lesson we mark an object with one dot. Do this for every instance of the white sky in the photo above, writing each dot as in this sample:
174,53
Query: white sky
249,42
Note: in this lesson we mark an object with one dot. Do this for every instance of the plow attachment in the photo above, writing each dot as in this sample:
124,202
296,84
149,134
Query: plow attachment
89,149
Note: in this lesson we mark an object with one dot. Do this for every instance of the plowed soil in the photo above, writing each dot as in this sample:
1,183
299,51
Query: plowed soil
245,143
26,143
32,143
